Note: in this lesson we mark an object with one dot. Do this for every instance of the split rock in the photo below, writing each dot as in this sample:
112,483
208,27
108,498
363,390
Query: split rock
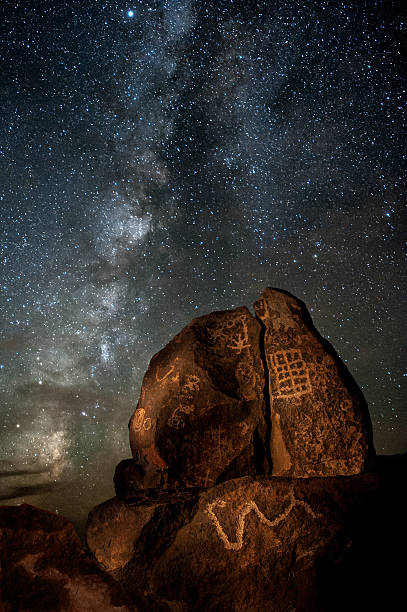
320,424
44,567
201,418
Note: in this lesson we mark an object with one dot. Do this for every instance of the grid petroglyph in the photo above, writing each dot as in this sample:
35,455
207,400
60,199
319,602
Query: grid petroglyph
291,373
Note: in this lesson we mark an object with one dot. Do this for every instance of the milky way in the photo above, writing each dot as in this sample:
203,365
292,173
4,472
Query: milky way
160,160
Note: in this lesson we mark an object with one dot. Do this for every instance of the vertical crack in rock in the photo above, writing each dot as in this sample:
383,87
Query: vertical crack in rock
267,401
319,420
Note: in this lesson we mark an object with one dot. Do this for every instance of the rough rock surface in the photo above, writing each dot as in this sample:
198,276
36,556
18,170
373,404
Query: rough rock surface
200,418
223,506
249,544
43,567
232,395
124,527
320,424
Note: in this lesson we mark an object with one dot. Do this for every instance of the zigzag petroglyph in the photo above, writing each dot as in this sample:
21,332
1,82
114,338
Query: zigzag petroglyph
244,511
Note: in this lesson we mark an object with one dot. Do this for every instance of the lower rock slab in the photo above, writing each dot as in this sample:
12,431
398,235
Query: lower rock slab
248,544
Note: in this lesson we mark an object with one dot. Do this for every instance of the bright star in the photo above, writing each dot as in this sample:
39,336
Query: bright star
130,13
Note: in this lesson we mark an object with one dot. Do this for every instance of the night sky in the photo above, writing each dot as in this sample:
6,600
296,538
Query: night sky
161,160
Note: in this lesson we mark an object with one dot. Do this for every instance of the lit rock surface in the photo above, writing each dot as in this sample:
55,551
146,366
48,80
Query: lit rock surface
232,395
112,531
320,424
201,414
244,545
251,485
45,569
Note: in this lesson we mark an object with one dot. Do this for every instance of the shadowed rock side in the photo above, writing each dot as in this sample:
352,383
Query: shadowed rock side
320,424
45,569
249,544
201,414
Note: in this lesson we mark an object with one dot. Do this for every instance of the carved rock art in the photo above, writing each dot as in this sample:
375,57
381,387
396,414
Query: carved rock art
290,372
238,420
140,422
232,395
246,544
244,511
206,384
319,415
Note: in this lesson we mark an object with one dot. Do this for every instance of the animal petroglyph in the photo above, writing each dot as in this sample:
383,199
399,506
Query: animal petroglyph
244,511
140,421
291,373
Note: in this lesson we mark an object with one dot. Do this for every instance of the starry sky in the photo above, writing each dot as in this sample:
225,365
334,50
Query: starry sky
163,159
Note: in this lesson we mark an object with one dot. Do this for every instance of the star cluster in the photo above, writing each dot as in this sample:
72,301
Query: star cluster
163,159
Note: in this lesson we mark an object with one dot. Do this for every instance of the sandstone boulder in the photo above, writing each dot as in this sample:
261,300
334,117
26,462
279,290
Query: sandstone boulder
201,415
320,424
44,567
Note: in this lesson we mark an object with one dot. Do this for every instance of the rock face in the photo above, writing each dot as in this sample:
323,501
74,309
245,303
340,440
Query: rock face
222,506
249,544
232,395
201,413
45,569
320,420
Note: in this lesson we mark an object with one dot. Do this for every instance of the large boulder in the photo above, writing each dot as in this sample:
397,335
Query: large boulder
232,395
44,567
320,424
249,488
249,544
201,416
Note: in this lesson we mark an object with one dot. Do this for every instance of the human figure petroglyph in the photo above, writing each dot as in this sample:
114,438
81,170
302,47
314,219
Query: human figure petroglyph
244,511
241,341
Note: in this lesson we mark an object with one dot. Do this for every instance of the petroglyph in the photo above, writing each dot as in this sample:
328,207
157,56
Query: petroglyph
244,511
325,375
141,422
160,379
190,387
242,339
191,384
176,420
291,373
237,326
